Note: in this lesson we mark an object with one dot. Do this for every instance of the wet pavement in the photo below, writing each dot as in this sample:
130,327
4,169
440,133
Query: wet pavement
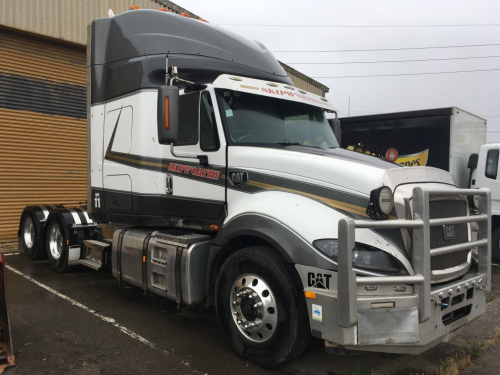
83,323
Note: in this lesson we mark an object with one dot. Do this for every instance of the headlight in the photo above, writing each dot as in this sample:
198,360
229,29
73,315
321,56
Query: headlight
363,256
381,203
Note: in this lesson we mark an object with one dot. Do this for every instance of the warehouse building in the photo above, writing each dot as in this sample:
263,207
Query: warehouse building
43,126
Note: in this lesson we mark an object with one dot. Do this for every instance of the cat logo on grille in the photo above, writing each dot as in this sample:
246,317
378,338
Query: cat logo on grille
449,232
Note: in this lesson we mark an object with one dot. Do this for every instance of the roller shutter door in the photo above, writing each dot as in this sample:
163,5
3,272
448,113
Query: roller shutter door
43,128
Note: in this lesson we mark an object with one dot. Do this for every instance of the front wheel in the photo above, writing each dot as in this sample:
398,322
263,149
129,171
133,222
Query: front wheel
57,246
261,308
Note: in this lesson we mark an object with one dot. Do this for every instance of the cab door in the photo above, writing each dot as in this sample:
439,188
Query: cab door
489,176
196,193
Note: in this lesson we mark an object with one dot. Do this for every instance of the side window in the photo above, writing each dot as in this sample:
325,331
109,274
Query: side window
188,119
492,164
209,140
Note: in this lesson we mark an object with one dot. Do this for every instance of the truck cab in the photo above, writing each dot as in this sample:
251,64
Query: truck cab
232,191
485,174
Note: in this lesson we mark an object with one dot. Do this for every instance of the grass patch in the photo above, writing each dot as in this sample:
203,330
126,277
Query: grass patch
453,365
475,350
492,295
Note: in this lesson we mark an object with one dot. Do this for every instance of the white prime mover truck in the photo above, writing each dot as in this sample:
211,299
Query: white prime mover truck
448,138
235,193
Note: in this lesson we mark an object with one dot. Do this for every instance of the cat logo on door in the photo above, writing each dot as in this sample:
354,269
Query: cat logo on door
238,177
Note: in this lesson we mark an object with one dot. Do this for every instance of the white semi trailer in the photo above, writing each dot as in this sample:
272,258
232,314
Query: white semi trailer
235,193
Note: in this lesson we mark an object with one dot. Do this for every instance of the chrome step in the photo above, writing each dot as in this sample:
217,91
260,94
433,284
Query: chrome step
90,263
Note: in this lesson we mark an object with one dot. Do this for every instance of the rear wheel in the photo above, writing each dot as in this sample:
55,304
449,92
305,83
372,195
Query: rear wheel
30,238
57,246
261,308
495,246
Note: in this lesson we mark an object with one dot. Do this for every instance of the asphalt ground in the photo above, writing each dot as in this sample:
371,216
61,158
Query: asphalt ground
83,323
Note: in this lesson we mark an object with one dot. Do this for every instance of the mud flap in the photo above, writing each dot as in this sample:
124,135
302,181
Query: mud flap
7,358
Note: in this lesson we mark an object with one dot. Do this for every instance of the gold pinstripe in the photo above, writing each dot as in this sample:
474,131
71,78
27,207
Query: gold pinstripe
330,202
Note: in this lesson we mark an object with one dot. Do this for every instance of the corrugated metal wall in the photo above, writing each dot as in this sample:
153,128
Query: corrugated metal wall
42,126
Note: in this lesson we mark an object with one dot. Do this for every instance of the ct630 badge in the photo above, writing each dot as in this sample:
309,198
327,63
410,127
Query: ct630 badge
238,177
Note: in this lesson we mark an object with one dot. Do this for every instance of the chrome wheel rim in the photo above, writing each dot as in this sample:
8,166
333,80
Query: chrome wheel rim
253,307
29,232
55,241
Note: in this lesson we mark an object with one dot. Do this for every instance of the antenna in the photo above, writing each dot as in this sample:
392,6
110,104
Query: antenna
110,13
167,76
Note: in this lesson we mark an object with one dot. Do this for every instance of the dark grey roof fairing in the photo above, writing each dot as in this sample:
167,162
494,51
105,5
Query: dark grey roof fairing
135,36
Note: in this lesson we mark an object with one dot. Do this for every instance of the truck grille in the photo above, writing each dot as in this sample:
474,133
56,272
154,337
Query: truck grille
441,209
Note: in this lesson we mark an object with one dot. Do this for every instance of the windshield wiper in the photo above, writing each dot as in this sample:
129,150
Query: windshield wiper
286,142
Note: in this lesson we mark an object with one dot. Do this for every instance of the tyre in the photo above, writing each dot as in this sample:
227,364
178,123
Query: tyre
261,307
30,238
56,240
495,246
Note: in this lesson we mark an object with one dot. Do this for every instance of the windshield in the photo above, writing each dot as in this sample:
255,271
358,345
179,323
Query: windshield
260,120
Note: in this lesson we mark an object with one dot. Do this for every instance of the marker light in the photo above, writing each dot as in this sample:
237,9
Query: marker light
235,78
166,114
310,295
324,99
303,92
289,87
184,15
272,84
202,20
163,10
134,7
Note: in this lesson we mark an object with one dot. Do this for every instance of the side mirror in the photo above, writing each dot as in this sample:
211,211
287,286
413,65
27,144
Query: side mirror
168,115
335,125
473,161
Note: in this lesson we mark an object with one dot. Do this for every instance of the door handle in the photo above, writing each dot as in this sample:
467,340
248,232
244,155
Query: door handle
169,189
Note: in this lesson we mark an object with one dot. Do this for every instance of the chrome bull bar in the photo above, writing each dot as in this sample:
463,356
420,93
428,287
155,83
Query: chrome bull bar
421,257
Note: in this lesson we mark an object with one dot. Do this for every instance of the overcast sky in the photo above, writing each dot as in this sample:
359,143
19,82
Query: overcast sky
476,92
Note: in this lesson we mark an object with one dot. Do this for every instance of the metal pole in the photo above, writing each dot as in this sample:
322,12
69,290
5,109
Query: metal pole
484,231
422,252
347,288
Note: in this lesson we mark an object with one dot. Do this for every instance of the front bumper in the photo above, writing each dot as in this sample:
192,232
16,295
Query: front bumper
371,313
397,329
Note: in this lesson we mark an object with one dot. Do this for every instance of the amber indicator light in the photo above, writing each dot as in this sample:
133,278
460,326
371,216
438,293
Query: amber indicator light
310,295
166,114
214,227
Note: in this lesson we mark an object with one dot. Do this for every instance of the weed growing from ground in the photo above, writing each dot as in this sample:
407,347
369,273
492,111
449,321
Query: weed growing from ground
475,350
